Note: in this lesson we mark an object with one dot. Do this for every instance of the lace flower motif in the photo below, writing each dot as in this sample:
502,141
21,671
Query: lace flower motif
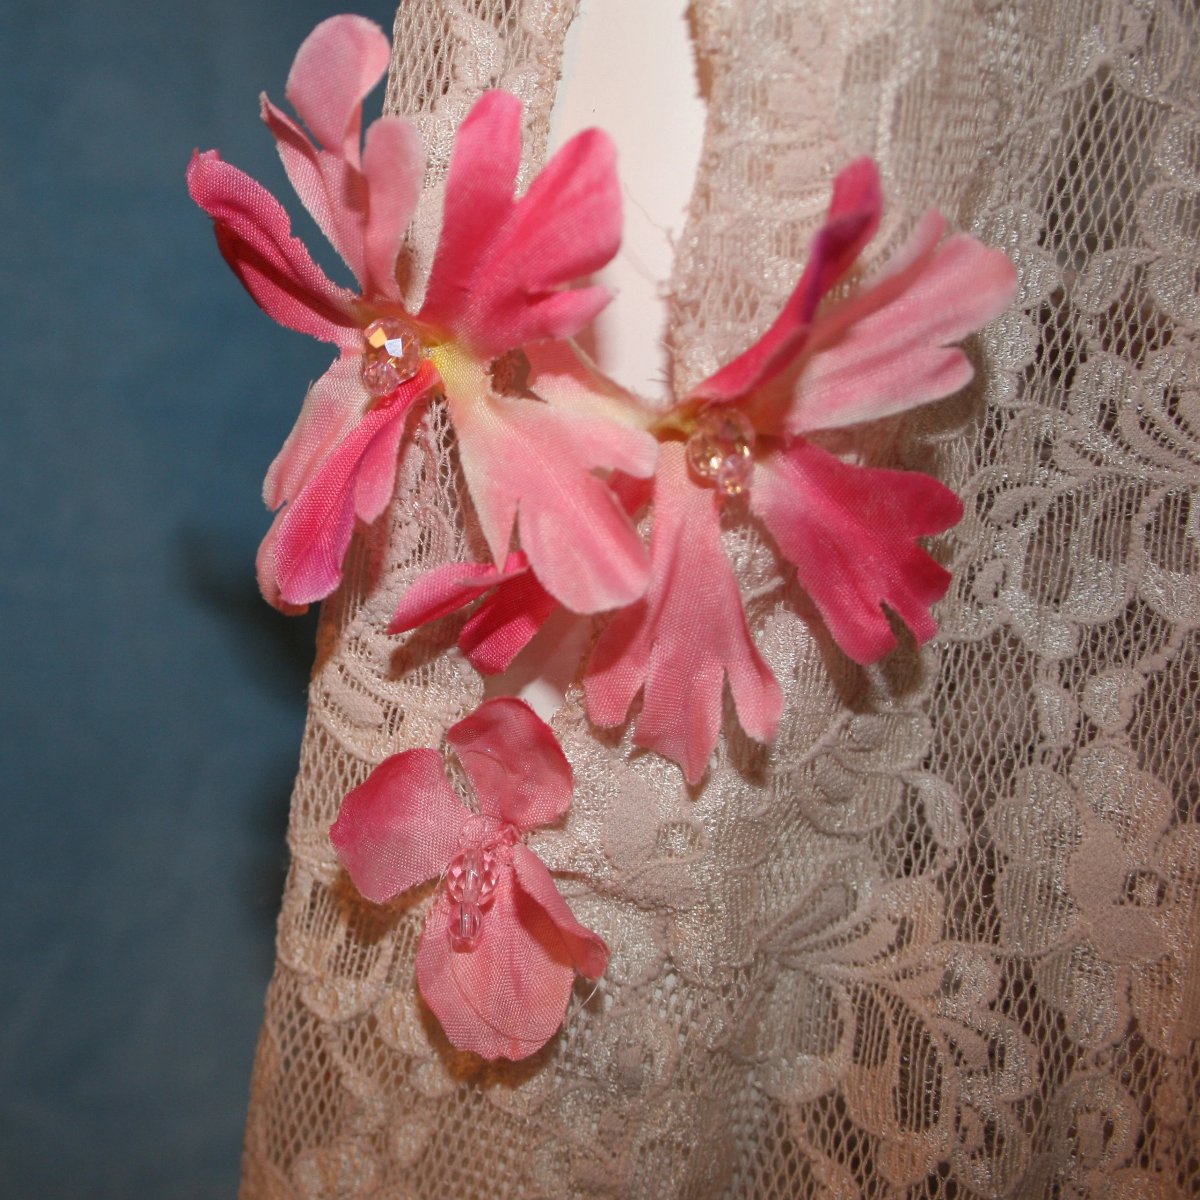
499,282
500,949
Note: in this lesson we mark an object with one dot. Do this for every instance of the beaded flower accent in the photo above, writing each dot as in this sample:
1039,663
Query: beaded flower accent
564,470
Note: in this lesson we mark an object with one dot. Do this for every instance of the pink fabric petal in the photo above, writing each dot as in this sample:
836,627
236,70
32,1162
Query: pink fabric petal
334,69
885,351
300,560
567,225
400,827
254,235
514,763
479,199
332,407
506,997
530,464
448,588
850,532
587,950
499,266
685,638
505,623
852,220
394,165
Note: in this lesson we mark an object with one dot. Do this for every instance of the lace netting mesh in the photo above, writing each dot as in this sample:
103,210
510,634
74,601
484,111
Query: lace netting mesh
943,939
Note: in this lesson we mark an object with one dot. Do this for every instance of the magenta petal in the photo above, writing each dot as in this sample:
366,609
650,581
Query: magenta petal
254,235
399,827
885,351
851,222
567,225
448,588
514,763
333,404
850,532
334,69
685,638
300,560
530,463
505,623
506,997
479,199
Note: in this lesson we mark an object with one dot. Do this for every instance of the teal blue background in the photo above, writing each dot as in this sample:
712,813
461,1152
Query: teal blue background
151,705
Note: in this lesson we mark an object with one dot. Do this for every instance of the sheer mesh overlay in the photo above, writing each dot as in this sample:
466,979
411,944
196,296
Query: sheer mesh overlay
943,938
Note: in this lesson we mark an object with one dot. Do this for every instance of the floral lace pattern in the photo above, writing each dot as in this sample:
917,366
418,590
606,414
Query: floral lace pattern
940,940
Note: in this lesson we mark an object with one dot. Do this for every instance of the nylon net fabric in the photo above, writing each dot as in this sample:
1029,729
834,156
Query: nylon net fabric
942,939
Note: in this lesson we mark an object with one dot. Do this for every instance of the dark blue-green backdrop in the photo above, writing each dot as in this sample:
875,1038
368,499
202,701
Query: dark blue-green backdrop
151,705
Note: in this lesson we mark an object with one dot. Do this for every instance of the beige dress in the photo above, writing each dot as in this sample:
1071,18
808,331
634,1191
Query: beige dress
943,938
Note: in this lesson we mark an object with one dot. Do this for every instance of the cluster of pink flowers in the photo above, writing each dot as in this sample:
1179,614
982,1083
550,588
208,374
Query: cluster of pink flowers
561,471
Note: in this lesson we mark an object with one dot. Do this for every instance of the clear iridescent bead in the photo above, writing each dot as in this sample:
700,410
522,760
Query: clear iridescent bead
392,355
720,450
471,880
466,922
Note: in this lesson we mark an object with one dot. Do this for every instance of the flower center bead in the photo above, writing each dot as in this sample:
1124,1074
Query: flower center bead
392,355
471,880
720,450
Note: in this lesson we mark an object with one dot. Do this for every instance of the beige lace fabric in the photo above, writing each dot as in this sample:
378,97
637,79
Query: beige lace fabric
943,938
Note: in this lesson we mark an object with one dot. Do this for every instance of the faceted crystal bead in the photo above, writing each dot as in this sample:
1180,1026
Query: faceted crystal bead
465,923
392,355
721,448
472,876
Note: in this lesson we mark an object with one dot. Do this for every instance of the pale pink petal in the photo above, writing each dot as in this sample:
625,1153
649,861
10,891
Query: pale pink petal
531,464
334,69
300,560
505,623
567,225
685,638
254,235
886,350
562,374
851,534
506,997
479,199
400,827
851,222
394,164
375,480
332,407
448,588
514,763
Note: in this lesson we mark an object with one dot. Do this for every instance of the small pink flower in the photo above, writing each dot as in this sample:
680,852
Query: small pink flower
500,949
500,280
849,531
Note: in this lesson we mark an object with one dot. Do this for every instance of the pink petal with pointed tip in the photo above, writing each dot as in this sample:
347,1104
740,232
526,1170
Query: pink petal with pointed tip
448,588
567,225
394,165
530,464
300,560
479,199
885,351
514,763
506,997
332,406
505,623
685,638
335,68
851,534
853,218
254,236
399,827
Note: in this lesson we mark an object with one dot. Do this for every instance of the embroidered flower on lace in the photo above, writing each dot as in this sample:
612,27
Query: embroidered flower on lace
500,949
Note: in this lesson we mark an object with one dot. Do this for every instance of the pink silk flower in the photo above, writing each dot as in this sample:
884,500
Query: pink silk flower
500,280
498,956
849,531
